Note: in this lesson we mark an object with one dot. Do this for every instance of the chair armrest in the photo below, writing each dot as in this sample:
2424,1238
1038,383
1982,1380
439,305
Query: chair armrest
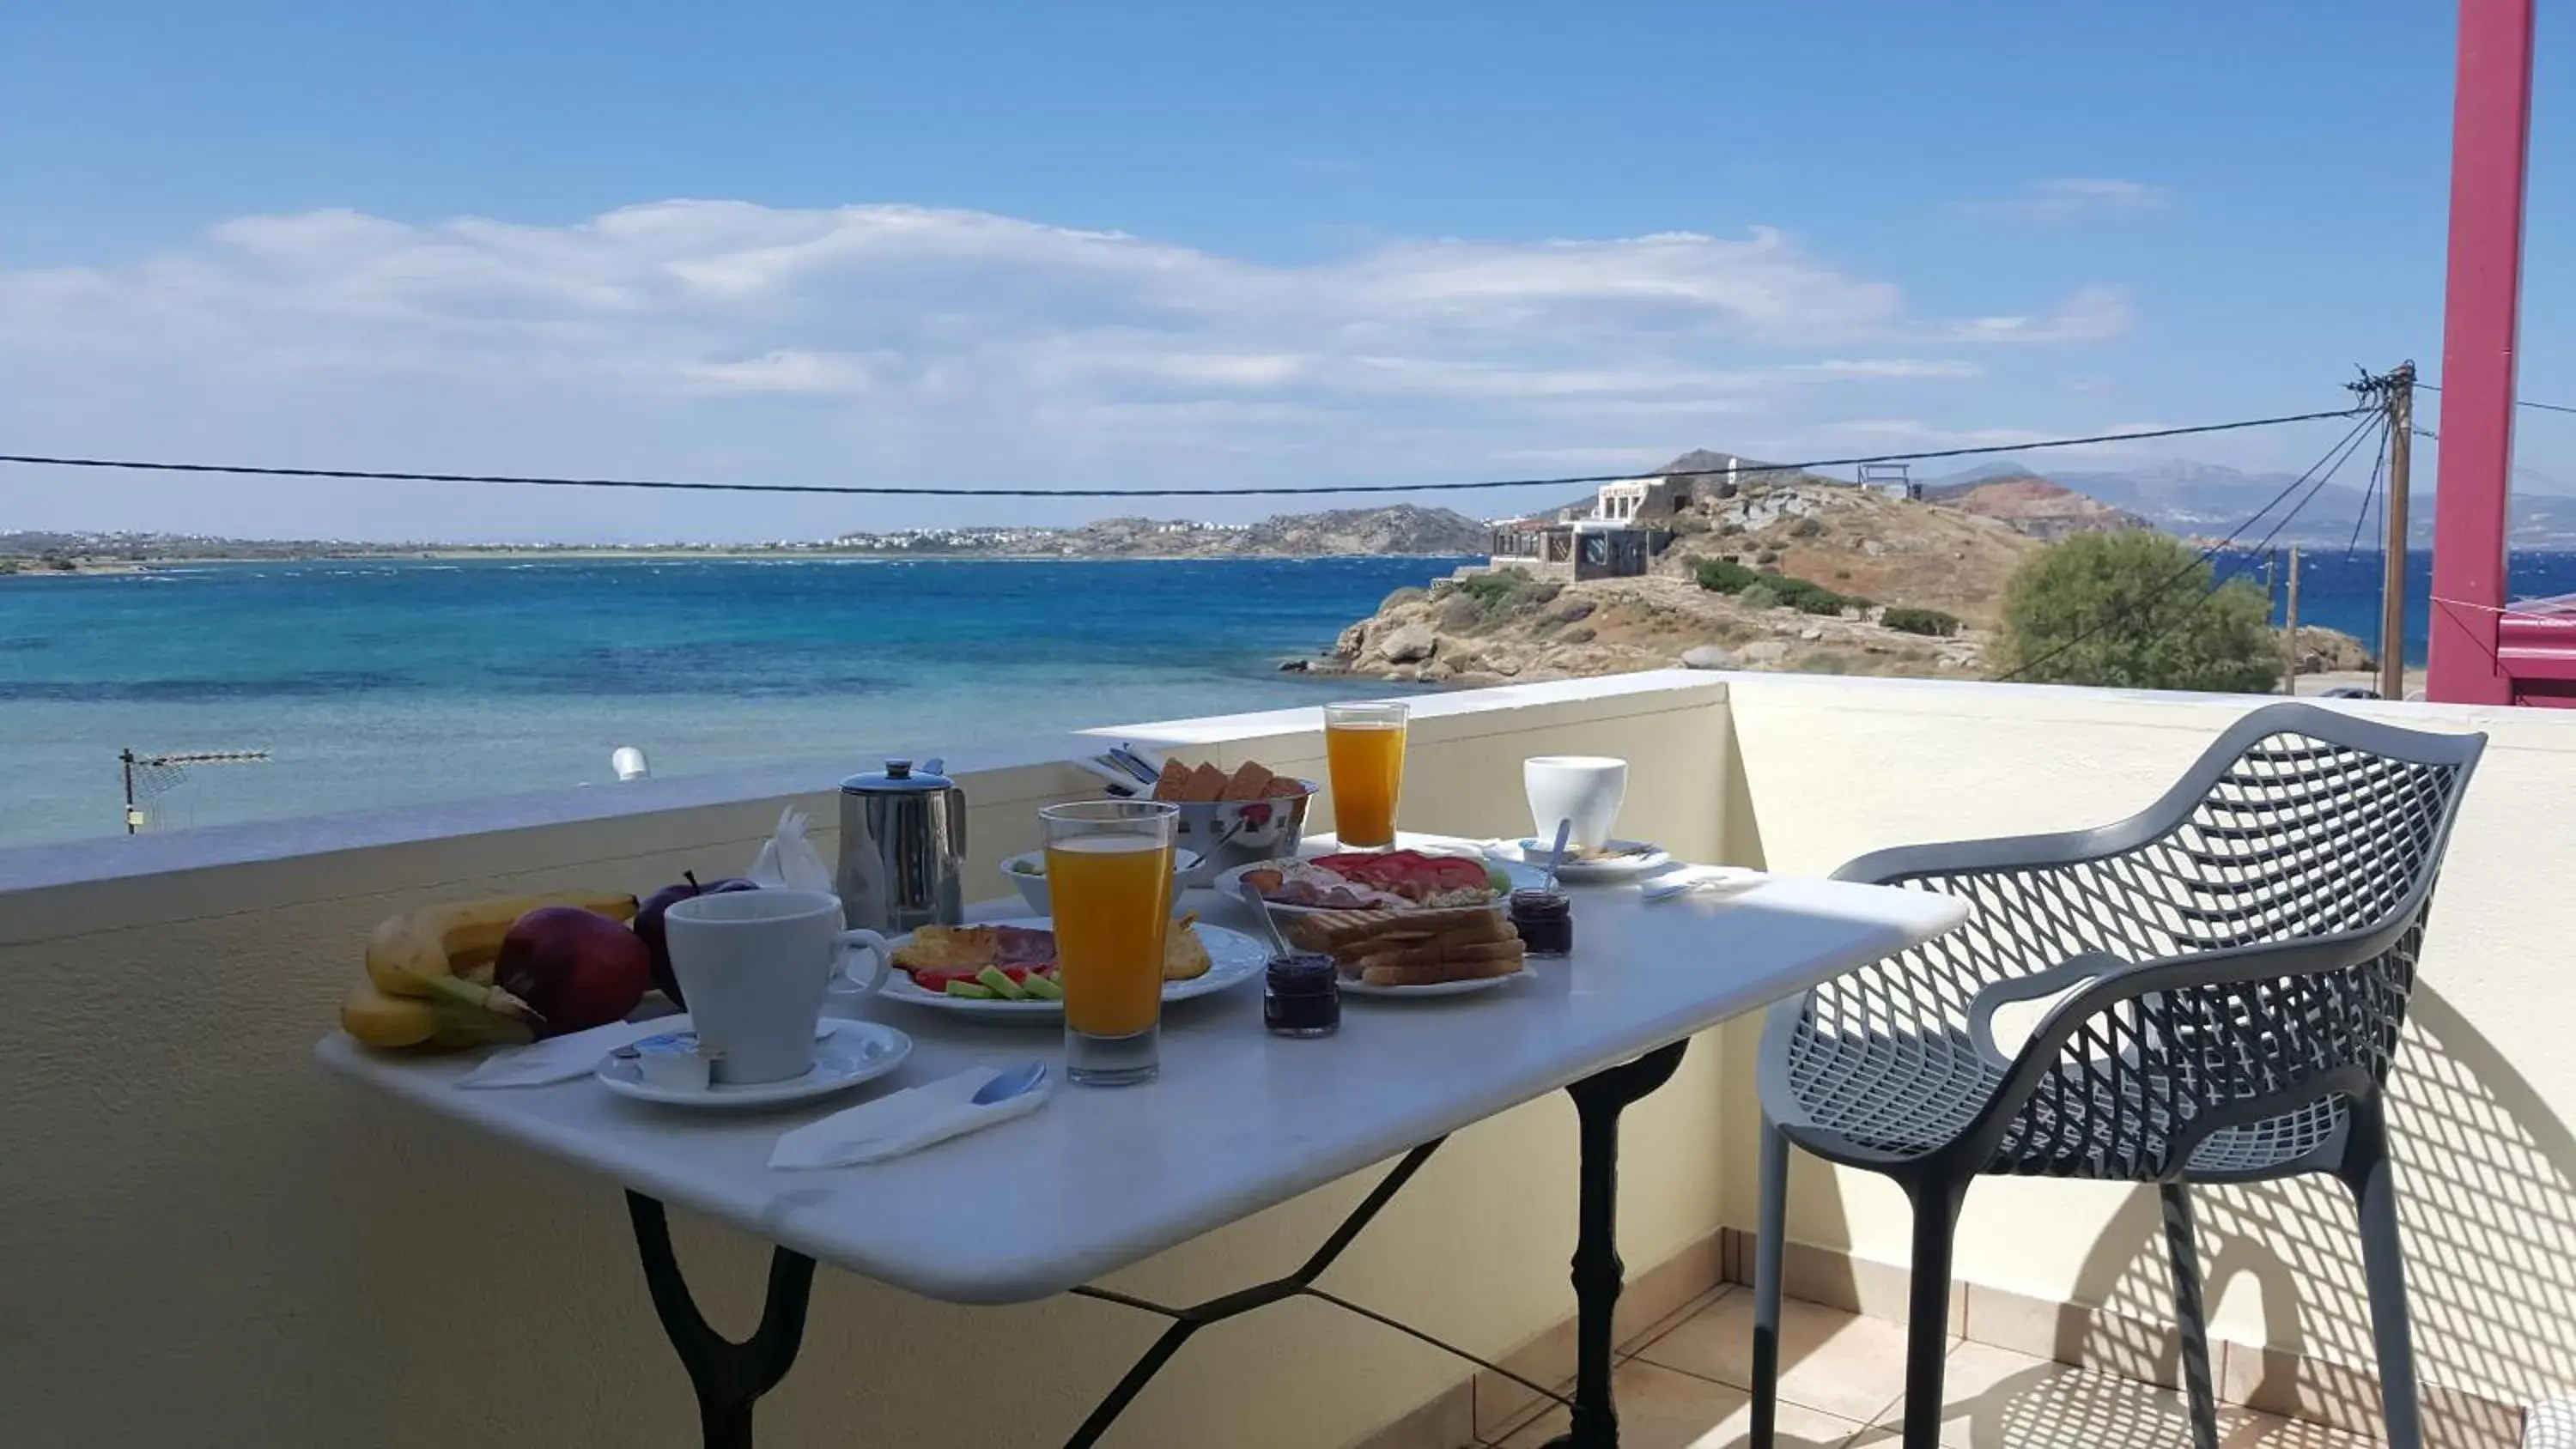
2090,1028
1999,854
2038,985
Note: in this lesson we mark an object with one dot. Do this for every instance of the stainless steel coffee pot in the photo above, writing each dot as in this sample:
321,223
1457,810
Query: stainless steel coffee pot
903,849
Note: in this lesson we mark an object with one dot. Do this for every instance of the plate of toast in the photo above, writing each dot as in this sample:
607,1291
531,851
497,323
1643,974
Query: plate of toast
1445,952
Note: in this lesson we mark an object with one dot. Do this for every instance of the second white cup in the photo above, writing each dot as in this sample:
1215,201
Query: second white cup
754,965
1586,789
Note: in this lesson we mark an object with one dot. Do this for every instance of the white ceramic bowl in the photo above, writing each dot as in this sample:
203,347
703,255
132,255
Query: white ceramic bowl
1028,872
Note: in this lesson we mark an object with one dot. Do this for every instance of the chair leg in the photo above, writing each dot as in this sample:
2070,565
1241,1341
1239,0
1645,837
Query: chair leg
1769,1247
2365,1171
2184,1254
1927,1320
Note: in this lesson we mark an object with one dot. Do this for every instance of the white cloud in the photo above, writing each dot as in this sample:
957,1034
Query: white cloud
2093,314
726,339
2064,198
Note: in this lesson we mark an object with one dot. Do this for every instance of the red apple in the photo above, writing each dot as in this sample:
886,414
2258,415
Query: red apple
577,969
648,923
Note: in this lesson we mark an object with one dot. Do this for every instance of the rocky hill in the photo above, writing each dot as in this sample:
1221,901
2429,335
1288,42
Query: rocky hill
1867,548
1399,529
2035,506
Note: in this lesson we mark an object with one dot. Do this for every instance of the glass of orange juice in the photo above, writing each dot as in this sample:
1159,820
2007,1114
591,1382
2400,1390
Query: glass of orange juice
1109,879
1364,748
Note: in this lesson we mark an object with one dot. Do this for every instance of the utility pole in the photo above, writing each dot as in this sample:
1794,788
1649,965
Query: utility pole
2400,399
2290,630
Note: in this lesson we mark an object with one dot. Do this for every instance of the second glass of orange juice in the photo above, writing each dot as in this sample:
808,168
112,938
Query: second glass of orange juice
1364,750
1109,879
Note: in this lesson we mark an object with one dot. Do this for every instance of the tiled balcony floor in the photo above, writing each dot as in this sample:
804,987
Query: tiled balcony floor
1682,1385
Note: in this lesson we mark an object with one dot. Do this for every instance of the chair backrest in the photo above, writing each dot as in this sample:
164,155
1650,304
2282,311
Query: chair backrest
2297,822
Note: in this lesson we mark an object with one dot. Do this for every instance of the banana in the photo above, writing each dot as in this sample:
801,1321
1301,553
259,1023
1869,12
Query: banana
446,952
380,1020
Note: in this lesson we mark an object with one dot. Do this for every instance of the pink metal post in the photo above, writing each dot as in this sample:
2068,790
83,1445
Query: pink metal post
2490,144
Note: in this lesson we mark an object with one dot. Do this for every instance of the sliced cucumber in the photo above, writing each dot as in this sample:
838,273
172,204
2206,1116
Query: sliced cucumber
999,982
968,989
1042,988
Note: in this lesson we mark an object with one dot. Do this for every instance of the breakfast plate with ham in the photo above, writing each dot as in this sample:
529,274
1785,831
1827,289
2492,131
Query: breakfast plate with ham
1386,880
1008,968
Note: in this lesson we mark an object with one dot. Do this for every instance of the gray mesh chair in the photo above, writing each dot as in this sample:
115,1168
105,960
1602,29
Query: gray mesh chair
2236,961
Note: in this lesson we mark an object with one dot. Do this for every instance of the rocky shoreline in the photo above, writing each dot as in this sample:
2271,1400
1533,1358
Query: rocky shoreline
1502,626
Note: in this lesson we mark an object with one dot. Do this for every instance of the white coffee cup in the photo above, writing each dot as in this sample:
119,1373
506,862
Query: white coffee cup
1586,789
754,966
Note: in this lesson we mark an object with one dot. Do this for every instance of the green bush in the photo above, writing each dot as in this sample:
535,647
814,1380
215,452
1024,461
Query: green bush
1725,576
2135,610
1807,528
1808,596
1905,619
1508,591
1759,596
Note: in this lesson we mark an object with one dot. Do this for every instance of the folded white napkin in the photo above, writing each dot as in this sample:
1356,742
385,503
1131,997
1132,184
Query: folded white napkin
1716,879
562,1058
904,1121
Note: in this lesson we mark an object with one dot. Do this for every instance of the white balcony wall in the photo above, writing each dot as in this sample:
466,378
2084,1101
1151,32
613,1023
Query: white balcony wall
205,1240
2484,1088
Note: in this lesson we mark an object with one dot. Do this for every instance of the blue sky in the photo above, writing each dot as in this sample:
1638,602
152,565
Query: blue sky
1194,245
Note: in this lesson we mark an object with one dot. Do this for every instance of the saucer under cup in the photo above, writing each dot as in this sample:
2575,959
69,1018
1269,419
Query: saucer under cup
754,966
1586,789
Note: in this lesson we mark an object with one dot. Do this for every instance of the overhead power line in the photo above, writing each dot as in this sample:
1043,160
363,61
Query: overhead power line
2517,402
951,491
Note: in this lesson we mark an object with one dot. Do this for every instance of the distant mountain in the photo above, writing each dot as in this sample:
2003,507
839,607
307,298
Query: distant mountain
1400,528
2209,501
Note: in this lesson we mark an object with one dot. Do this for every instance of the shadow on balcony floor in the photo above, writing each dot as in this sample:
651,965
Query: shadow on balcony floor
1843,1376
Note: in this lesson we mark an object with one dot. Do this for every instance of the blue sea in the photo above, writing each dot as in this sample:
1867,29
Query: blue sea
2340,590
383,683
376,684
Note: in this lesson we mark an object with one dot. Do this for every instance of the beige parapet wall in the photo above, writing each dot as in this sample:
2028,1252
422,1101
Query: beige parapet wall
205,1240
2482,1099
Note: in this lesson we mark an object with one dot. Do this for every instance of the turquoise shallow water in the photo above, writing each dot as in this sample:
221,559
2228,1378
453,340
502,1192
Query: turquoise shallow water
383,683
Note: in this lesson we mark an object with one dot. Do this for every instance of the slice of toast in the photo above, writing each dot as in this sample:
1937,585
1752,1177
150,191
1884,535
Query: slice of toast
1207,782
1285,787
1332,930
1250,781
1175,783
1351,936
1423,953
1406,968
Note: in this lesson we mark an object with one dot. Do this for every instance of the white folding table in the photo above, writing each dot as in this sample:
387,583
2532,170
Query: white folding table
1239,1120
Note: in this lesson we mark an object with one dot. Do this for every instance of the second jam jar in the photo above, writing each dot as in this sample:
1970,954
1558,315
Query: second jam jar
1545,920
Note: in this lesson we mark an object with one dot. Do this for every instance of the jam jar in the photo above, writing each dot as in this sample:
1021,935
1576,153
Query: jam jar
1545,921
1301,995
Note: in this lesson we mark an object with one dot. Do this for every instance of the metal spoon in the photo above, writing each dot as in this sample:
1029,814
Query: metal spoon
1016,1081
1556,854
1261,912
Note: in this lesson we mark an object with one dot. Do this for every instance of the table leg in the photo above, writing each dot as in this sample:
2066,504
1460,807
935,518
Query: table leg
1598,1101
729,1377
